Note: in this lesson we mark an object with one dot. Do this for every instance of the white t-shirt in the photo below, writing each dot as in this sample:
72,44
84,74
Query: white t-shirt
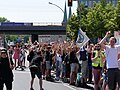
112,56
58,57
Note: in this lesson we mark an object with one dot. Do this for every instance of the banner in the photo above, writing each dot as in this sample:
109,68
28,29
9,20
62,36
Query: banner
82,38
117,34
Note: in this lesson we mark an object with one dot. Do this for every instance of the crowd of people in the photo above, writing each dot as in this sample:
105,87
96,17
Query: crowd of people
94,63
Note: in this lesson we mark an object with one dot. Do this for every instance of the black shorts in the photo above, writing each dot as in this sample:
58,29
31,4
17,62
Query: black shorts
38,73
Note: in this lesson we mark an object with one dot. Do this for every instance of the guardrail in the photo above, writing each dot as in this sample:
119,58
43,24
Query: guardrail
46,23
30,23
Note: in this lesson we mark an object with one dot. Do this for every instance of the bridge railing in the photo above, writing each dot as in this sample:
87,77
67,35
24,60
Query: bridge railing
30,23
46,23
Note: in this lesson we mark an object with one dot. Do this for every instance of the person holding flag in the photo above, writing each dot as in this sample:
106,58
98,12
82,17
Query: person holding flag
82,54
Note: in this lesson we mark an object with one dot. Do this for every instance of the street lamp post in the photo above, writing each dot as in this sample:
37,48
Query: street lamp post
64,12
57,6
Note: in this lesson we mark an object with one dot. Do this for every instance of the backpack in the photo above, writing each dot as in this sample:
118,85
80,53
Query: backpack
34,66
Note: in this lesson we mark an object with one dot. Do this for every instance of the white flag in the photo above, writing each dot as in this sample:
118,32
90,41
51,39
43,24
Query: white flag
82,38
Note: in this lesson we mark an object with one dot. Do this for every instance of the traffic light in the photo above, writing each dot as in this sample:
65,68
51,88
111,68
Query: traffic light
69,2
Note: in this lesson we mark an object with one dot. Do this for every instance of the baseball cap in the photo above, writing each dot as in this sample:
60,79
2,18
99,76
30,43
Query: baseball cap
3,51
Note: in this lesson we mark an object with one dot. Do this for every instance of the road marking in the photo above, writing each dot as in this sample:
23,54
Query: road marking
69,86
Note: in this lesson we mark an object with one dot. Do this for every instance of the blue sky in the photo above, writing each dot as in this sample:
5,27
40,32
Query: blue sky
33,10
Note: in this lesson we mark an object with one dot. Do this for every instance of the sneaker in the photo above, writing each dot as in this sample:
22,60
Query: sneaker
31,89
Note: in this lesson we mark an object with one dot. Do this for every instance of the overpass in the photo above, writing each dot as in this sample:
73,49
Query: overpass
39,30
21,29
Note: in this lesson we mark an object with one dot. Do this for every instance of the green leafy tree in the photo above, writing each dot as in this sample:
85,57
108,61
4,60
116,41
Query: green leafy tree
73,26
3,19
117,14
96,20
100,19
74,23
12,37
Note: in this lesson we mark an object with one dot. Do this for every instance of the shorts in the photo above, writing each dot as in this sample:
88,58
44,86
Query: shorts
74,67
84,68
48,66
113,77
38,73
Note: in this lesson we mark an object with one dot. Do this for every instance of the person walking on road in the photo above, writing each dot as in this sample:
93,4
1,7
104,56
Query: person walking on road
112,61
16,56
6,74
36,69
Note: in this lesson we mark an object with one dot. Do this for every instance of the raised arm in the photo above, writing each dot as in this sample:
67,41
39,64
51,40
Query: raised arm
102,41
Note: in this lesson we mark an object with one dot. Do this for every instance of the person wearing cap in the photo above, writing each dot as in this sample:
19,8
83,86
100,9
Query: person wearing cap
6,74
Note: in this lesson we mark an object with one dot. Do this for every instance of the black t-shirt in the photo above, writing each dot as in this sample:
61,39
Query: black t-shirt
48,56
67,59
83,55
73,58
30,56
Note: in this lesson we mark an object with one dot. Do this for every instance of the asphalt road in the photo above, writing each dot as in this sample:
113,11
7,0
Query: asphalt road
22,82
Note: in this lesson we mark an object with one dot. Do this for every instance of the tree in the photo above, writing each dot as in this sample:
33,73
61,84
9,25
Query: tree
96,20
3,19
12,37
74,23
73,26
100,19
117,13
